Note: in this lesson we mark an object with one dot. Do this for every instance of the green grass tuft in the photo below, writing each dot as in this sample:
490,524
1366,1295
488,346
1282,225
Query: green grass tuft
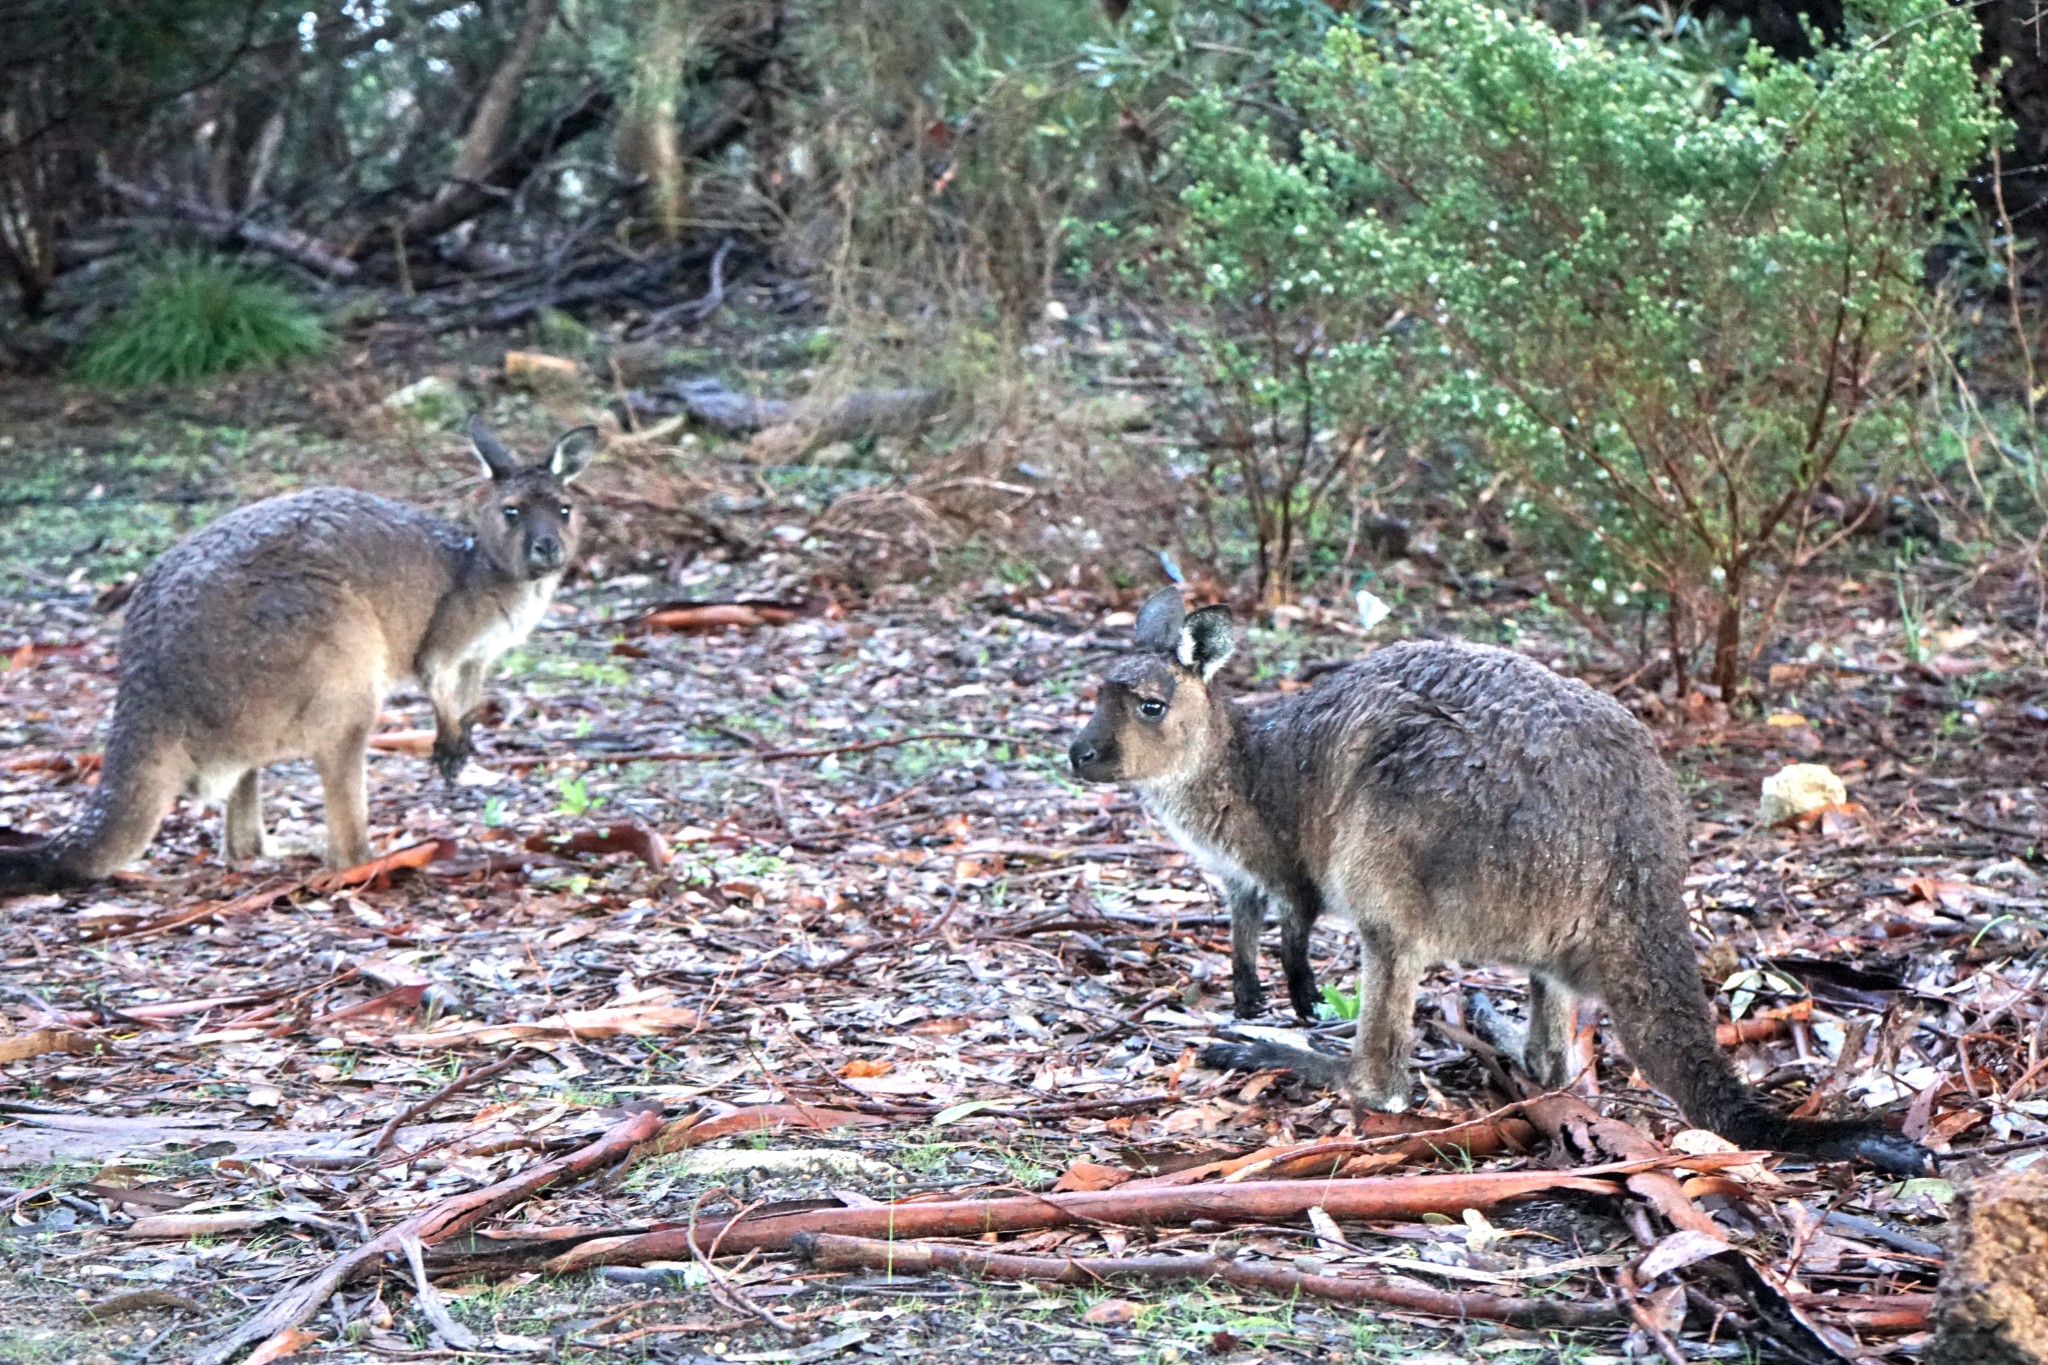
194,316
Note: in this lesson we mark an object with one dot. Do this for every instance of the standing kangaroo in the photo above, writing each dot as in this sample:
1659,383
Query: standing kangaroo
278,631
1452,802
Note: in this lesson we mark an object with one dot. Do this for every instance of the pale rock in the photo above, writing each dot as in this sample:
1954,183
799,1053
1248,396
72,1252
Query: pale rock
1797,789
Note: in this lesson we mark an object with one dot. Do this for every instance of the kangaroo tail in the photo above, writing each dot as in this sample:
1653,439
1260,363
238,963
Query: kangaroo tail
1260,1054
1667,1028
139,780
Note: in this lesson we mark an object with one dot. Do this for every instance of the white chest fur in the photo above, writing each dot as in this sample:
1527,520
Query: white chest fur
1216,861
511,626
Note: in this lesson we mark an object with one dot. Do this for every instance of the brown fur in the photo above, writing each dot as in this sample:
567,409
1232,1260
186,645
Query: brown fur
1453,802
278,631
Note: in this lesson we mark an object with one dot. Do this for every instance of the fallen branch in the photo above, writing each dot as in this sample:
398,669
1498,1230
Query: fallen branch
1567,1118
1487,1135
830,1252
787,427
585,113
298,247
697,309
473,1076
1261,1201
1870,1314
446,1218
521,763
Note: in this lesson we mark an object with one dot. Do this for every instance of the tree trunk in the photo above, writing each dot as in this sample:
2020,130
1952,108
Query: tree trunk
500,99
1728,633
649,139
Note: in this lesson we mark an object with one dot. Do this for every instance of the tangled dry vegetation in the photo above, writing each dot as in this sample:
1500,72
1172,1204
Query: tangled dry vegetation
773,995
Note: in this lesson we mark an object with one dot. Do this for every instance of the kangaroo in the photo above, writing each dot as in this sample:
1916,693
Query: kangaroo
1451,801
278,631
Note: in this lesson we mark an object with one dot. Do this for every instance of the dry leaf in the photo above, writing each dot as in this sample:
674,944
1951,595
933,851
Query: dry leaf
641,842
1943,891
1112,1313
377,869
1087,1175
21,1046
289,1342
867,1066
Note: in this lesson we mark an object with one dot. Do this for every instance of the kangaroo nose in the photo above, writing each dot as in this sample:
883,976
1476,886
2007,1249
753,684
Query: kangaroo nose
545,554
1080,753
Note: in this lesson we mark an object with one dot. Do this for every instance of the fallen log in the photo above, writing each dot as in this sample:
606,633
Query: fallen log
828,1251
806,422
586,112
300,248
864,412
1256,1201
290,1309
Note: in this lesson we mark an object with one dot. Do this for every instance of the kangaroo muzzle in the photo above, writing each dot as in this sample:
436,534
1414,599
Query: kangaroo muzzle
544,555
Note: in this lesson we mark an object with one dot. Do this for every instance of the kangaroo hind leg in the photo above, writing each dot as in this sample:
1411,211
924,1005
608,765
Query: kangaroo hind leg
245,836
344,785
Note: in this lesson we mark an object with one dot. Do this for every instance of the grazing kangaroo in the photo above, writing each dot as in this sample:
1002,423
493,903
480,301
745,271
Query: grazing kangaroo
1451,801
278,631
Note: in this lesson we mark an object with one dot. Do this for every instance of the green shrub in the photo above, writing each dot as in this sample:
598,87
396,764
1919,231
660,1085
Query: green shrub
196,316
1669,308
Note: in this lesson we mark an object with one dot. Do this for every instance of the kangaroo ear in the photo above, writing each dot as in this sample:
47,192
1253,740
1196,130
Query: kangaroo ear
1207,640
497,461
572,453
1159,620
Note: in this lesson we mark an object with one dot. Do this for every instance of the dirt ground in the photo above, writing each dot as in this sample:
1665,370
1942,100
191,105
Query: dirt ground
835,859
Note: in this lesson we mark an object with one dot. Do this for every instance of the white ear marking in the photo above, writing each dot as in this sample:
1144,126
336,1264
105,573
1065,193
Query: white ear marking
1186,651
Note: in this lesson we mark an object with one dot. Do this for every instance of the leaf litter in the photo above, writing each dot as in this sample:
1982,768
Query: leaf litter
806,876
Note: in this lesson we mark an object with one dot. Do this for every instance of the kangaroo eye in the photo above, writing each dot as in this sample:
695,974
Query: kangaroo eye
511,514
567,510
1151,710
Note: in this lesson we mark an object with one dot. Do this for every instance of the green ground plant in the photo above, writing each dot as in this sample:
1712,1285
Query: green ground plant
196,316
1668,308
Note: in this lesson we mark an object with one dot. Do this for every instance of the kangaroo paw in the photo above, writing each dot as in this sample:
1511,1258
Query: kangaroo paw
450,756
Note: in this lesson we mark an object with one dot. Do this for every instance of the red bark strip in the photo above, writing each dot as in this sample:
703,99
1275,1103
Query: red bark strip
1877,1315
830,1252
1254,1201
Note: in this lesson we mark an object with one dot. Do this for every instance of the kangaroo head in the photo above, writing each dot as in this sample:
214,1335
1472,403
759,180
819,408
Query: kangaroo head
1154,720
525,521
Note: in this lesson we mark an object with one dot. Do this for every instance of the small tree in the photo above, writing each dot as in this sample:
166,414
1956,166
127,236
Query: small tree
1283,352
1669,310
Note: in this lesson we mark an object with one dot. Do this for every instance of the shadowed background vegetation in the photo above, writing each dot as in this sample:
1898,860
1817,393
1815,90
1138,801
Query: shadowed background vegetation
1637,312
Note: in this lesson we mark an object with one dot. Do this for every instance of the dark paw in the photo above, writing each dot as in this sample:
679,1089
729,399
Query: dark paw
1247,1004
450,756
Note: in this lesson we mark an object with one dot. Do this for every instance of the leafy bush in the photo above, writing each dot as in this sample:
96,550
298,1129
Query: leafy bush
196,316
1670,310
